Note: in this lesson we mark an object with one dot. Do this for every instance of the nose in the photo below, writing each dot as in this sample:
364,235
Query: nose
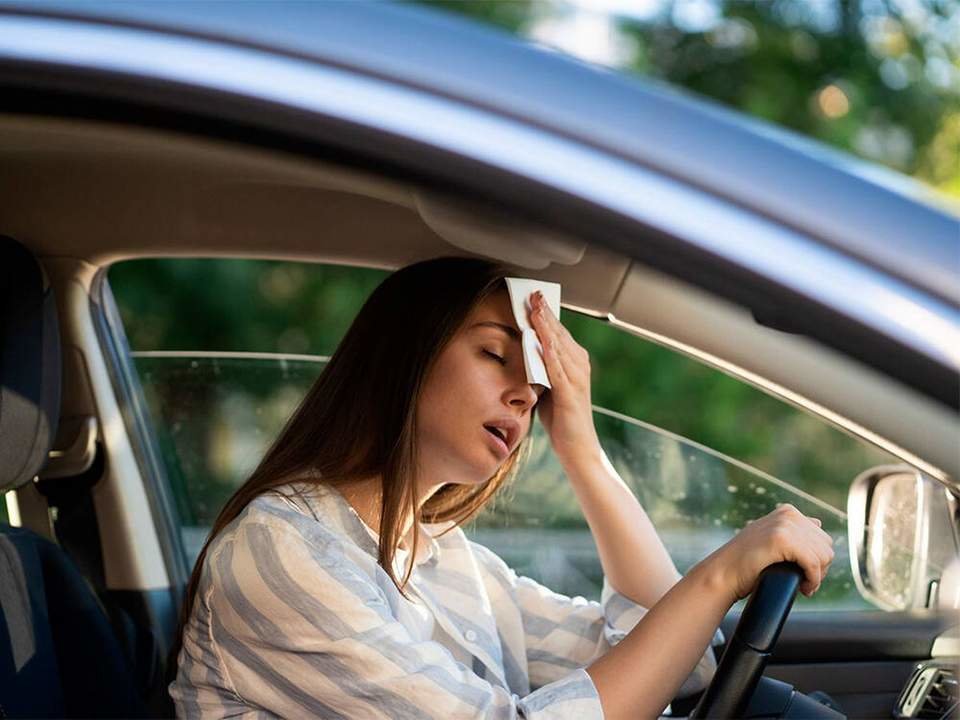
521,395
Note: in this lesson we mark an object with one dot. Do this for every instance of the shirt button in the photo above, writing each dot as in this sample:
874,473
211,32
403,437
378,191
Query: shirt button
470,635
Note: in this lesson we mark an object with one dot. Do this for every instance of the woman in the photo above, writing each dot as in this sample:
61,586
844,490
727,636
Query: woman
337,583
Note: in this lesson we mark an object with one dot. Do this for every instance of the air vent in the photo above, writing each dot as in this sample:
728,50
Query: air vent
942,696
930,694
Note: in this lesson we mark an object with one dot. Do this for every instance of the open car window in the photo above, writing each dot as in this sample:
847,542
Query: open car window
224,350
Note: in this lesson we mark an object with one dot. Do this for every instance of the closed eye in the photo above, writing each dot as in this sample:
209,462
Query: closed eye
496,357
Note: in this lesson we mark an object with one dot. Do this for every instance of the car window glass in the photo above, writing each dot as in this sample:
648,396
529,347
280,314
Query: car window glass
704,452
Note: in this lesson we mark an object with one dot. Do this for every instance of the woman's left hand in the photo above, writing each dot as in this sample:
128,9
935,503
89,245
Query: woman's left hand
565,410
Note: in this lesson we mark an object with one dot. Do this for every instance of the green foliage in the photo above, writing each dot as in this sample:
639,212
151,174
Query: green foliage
512,15
239,305
878,78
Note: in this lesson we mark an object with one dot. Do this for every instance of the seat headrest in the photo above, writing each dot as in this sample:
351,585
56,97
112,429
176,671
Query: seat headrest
29,366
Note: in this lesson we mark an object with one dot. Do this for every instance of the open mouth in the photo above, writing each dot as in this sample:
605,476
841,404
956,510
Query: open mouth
501,438
496,432
505,432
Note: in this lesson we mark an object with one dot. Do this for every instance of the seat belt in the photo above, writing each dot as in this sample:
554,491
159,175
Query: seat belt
74,453
32,511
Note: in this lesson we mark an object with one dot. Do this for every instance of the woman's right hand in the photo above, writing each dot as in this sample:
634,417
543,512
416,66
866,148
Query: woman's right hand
785,534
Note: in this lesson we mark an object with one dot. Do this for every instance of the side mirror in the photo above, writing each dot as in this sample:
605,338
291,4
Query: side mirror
904,529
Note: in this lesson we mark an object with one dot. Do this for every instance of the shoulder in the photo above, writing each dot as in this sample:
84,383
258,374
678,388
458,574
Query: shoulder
489,560
458,550
288,521
283,555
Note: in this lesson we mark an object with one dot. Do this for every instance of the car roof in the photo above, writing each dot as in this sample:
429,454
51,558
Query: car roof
875,216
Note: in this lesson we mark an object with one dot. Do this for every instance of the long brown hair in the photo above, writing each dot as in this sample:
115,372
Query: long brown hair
358,420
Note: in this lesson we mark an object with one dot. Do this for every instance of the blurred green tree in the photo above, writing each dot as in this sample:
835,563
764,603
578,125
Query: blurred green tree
877,78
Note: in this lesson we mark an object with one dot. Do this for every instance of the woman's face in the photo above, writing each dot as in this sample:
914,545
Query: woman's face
476,404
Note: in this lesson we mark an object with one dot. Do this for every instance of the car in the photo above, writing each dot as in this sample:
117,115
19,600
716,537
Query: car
317,145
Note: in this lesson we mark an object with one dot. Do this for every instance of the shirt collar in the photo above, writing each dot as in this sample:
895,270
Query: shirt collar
326,502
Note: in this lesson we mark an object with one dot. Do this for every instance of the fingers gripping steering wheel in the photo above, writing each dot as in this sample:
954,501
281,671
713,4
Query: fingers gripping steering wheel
747,652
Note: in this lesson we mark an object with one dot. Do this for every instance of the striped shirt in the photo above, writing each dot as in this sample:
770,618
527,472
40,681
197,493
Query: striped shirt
293,617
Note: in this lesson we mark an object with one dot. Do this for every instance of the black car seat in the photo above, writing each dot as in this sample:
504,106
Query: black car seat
59,654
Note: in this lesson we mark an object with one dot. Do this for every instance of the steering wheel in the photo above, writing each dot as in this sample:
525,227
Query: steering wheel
747,652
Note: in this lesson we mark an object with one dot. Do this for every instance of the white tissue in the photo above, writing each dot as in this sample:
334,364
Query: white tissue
520,290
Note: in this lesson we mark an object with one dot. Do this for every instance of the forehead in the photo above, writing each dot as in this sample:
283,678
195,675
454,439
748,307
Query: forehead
495,308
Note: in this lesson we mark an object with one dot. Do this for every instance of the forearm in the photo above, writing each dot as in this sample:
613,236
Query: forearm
634,559
638,678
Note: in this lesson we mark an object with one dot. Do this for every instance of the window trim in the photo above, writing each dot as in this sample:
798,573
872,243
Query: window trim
136,418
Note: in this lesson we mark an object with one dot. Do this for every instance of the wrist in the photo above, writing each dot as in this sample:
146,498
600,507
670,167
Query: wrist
716,577
583,457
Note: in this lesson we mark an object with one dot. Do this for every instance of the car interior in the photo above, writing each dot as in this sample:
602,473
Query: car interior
90,580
